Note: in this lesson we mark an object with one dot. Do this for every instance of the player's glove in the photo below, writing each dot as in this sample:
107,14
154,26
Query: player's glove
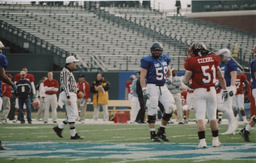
146,95
168,81
225,96
232,90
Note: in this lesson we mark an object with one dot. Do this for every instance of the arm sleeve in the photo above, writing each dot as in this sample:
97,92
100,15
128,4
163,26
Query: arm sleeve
187,65
107,86
93,89
42,90
144,64
33,88
87,90
64,82
56,86
134,85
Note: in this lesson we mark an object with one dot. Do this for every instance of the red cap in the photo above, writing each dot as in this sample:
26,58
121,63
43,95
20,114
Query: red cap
9,75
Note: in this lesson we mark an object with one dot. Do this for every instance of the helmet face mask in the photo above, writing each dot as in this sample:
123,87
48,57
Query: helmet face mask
156,50
197,49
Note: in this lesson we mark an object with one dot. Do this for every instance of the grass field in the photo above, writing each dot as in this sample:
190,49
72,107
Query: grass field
119,143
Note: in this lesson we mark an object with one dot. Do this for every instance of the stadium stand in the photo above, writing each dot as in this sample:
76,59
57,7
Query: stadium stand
114,38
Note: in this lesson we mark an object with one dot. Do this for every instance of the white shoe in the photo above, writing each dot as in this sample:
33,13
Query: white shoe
231,130
216,142
202,144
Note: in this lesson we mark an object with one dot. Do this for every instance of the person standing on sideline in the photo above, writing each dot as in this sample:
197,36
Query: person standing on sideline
24,92
128,86
174,88
100,88
83,96
135,101
230,74
51,87
3,77
154,71
6,97
68,97
41,97
141,114
246,130
203,67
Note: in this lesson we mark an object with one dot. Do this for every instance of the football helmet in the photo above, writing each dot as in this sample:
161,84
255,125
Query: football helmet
156,50
225,53
197,49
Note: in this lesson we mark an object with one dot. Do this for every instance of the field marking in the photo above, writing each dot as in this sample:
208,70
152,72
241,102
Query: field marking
131,151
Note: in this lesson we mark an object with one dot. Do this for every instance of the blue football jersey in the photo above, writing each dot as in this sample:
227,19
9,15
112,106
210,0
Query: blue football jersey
230,66
252,71
157,68
3,64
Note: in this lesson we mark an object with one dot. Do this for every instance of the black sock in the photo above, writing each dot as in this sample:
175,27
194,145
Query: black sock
215,133
201,135
162,130
152,133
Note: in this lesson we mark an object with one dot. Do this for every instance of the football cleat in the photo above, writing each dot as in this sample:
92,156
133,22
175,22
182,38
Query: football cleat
216,142
202,144
58,131
231,130
155,139
245,134
161,134
76,137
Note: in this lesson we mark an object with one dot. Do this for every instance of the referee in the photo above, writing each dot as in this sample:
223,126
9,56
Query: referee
68,97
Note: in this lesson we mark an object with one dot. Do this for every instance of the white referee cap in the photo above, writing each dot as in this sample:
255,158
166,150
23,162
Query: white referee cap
1,45
71,59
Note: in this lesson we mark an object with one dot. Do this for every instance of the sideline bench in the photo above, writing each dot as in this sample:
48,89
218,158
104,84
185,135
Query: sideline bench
119,103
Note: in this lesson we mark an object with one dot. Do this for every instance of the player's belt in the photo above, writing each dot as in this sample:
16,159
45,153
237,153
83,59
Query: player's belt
157,84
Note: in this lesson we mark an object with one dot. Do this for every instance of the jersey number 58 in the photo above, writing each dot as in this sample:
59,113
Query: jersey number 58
160,73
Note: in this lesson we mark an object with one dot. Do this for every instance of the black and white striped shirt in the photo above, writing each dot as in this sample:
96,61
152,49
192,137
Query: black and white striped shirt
68,82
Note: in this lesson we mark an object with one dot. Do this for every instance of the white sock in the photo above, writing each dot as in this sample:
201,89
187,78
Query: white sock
73,132
162,126
248,127
152,129
61,125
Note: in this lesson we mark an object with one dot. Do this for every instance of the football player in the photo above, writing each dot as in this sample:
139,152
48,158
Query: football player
203,68
230,73
238,100
154,72
245,131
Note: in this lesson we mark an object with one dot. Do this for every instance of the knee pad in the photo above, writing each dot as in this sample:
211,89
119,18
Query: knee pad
167,117
151,119
72,125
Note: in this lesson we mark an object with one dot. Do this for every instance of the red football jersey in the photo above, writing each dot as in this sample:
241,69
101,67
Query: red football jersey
128,85
6,90
51,83
204,70
85,88
240,79
30,77
184,97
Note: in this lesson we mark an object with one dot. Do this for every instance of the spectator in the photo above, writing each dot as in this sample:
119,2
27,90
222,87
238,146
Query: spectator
100,88
41,97
83,96
135,101
6,96
174,88
51,87
128,86
178,6
24,91
30,78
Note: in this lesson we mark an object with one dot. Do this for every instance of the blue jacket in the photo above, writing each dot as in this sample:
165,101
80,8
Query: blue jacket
23,89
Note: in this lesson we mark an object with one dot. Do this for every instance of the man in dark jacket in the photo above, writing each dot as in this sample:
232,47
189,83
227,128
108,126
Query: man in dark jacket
24,91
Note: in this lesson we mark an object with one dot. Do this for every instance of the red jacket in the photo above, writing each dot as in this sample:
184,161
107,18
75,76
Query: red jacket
6,90
85,88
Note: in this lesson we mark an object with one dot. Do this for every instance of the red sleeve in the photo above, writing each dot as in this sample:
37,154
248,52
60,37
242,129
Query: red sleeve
87,90
45,83
127,84
187,65
244,77
17,77
31,77
3,88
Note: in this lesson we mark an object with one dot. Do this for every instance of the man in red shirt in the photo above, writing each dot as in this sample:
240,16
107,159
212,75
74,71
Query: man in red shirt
51,88
238,100
83,96
203,68
128,86
6,96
